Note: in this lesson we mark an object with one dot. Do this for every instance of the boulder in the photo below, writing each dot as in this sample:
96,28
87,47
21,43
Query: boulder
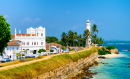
114,51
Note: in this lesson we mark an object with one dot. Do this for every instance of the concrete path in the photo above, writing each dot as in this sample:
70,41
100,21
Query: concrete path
33,61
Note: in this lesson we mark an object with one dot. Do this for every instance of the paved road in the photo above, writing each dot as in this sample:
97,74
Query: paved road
33,61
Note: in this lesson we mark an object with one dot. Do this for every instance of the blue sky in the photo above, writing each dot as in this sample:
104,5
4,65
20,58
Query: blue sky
112,17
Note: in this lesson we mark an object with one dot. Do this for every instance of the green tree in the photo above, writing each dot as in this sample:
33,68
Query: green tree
94,39
51,39
80,40
5,33
87,34
70,37
100,41
64,39
94,29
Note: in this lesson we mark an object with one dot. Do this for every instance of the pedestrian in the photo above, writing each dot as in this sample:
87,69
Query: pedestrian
68,51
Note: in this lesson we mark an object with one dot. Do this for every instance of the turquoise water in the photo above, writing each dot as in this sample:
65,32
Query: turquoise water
117,68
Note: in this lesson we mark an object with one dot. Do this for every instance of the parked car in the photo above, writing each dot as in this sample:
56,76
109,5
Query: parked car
5,60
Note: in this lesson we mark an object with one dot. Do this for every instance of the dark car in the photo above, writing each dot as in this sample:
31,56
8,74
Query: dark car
5,60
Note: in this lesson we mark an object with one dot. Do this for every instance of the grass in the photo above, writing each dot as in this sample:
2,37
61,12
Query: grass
18,61
33,70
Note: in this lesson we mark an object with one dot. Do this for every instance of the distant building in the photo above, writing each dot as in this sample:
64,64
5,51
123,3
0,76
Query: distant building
88,40
53,46
11,50
34,39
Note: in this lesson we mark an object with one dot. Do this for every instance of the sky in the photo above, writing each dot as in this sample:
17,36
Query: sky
112,17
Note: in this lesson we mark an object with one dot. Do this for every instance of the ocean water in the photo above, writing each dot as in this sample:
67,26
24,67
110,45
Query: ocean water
117,68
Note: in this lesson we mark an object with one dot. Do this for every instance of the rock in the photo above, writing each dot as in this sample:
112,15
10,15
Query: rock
102,57
104,63
93,73
114,51
85,77
90,76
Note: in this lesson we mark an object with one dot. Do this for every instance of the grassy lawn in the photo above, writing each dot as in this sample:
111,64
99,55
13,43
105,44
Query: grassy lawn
33,70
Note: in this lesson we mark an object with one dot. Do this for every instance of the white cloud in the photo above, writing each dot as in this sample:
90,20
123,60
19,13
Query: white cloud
27,19
37,19
6,16
74,27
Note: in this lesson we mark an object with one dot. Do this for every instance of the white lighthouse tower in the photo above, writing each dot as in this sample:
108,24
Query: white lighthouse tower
88,39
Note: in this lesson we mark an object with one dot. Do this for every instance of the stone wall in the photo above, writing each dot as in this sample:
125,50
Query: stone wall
69,70
114,51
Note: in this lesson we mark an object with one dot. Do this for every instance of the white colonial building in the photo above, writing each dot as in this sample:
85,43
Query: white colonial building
88,39
11,50
34,39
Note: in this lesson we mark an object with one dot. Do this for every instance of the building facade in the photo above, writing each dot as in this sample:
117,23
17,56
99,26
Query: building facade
88,39
34,39
11,50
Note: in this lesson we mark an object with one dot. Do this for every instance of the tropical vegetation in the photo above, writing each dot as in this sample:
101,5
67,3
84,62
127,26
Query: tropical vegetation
5,33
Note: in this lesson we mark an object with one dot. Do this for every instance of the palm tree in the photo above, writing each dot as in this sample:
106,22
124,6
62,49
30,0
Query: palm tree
64,38
87,34
94,38
80,39
100,41
94,29
71,36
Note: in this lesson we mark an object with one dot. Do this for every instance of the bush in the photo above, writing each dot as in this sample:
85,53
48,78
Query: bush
103,49
70,49
51,50
17,54
100,52
41,50
110,47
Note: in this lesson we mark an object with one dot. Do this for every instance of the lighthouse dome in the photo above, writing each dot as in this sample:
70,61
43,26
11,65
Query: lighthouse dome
87,21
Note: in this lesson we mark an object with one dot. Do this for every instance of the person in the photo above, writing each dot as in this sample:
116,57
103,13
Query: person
75,50
68,50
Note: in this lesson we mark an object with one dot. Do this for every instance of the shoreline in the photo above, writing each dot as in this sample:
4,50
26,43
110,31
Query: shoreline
112,55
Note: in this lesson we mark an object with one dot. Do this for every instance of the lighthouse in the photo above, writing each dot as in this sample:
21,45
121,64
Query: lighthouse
88,39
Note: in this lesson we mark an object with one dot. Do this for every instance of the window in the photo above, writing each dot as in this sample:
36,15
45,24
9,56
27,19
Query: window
41,43
13,48
41,34
37,43
34,43
17,48
27,43
23,43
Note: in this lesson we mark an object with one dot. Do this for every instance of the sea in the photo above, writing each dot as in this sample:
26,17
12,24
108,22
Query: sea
117,68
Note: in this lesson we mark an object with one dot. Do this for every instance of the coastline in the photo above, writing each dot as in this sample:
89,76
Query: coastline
112,55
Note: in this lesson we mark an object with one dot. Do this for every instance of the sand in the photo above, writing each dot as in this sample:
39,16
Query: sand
113,55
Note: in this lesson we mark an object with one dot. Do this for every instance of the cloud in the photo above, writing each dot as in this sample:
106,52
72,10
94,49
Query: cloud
6,16
37,19
27,19
74,27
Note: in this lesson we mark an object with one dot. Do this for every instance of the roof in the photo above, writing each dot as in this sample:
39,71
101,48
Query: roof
22,34
58,45
47,46
13,43
55,44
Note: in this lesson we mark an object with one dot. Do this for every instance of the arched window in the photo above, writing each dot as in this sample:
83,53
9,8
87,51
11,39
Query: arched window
41,34
41,43
34,43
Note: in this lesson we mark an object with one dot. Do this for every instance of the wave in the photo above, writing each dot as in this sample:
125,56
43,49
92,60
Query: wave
125,50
